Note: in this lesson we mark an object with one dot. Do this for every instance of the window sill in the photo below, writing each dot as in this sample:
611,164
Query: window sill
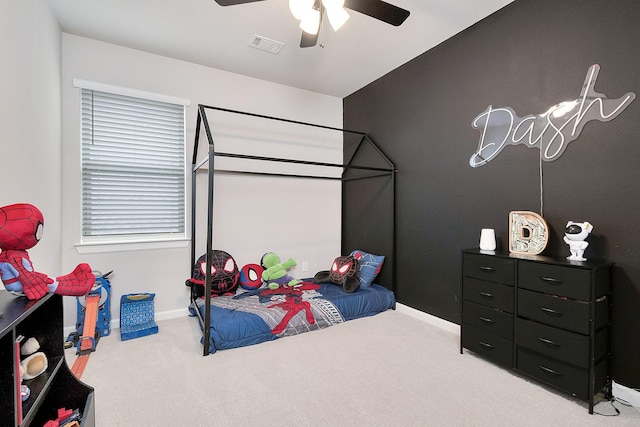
124,246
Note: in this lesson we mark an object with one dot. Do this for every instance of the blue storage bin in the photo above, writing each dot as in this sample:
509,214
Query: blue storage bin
137,316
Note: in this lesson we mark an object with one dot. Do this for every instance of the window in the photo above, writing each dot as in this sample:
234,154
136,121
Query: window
133,167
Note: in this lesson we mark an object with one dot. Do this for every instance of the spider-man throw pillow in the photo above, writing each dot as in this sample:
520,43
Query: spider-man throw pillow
370,266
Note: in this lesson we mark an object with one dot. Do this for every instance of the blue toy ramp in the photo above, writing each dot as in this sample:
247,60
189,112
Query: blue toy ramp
101,287
137,316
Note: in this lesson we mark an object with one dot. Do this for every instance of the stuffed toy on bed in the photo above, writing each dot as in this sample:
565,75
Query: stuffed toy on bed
224,274
275,273
21,227
344,272
251,277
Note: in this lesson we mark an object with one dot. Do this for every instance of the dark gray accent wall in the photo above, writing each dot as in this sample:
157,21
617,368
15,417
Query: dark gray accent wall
530,55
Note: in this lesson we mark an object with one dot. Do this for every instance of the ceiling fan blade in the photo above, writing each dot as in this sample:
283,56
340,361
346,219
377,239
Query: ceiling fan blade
308,40
234,2
379,9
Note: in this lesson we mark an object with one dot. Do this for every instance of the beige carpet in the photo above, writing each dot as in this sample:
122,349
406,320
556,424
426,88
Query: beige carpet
386,370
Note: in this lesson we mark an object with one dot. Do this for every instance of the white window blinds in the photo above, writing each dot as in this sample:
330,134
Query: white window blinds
133,166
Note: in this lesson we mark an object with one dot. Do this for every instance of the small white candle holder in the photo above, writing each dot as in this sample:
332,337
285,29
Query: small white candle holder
488,239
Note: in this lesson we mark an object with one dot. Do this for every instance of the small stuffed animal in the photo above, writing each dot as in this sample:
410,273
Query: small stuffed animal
575,234
275,272
21,228
251,277
224,274
344,272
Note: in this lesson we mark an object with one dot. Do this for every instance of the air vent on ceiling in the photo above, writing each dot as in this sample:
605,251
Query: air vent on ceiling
266,44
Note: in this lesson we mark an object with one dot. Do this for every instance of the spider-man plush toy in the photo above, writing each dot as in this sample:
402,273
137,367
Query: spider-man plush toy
344,272
21,227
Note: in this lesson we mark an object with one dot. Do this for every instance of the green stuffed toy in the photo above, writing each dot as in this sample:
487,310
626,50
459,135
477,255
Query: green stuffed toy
275,272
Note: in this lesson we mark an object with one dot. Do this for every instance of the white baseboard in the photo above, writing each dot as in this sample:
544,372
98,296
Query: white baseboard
429,318
171,314
162,315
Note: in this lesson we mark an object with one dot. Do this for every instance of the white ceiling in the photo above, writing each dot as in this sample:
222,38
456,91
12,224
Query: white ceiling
202,32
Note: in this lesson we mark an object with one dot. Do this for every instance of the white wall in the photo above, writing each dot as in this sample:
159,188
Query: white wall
299,219
30,157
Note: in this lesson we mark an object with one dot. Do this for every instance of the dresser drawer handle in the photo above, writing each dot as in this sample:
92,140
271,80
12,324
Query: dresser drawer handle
549,342
551,280
487,320
550,371
486,294
487,269
550,311
486,345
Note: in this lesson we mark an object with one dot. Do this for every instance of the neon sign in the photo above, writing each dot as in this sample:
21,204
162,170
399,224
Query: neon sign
550,132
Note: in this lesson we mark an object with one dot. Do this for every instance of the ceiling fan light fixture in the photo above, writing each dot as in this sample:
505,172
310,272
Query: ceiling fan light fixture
337,17
310,22
299,8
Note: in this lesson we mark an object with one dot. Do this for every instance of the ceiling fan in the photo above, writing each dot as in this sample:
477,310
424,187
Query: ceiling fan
311,13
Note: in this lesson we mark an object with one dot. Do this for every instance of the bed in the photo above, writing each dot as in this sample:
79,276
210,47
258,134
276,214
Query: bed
249,317
253,317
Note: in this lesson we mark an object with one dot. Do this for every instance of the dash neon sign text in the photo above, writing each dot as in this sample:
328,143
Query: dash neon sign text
550,132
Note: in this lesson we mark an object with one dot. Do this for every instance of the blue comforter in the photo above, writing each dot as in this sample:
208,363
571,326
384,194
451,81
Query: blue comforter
252,317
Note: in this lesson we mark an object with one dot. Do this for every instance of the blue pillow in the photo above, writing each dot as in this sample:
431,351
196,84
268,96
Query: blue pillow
370,266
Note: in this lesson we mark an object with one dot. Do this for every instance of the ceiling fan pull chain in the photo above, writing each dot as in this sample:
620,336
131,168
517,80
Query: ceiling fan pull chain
321,31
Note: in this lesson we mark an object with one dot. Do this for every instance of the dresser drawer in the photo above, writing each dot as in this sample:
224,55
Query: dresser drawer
488,319
490,346
560,374
488,293
551,310
560,344
561,312
570,282
489,268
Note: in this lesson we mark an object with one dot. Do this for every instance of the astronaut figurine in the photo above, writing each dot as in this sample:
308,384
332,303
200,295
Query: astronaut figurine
575,234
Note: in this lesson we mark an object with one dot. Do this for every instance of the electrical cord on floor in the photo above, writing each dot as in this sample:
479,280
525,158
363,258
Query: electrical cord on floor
612,401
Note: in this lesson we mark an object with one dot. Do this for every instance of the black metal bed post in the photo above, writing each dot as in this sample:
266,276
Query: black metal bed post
209,250
194,171
394,286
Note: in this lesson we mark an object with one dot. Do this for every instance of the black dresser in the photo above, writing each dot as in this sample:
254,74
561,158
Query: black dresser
549,318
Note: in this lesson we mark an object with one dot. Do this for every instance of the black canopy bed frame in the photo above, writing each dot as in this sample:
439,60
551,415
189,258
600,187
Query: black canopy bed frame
207,166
